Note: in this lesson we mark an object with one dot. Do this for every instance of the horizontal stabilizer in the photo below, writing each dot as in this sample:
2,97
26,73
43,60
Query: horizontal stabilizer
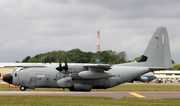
161,68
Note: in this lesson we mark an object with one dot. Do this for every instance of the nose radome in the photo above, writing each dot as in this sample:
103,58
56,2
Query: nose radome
8,78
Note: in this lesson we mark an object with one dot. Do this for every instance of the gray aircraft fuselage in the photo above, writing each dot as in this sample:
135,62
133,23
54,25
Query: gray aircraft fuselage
48,77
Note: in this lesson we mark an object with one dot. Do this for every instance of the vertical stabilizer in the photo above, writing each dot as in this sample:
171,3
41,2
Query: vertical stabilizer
157,53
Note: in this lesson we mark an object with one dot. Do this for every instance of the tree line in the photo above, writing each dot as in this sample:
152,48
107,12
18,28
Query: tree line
78,56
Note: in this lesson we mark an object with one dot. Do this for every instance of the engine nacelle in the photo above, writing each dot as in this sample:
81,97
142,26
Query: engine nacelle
144,79
65,82
94,74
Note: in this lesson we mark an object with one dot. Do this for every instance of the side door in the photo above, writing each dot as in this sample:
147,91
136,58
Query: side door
32,82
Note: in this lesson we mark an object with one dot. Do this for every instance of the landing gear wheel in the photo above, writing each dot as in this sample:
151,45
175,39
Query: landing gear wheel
79,90
71,89
22,88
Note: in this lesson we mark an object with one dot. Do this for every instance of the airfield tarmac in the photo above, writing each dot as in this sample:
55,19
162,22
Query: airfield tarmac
113,94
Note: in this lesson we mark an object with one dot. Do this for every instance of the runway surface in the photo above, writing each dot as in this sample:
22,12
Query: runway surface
113,94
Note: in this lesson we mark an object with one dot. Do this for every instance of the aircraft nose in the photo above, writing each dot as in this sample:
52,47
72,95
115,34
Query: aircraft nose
8,78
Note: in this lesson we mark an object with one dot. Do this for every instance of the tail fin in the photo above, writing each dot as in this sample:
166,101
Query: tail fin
157,53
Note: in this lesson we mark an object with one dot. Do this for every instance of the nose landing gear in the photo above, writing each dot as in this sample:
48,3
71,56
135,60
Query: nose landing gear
22,88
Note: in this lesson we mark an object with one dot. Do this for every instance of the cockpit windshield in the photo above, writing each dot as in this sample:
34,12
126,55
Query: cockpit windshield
18,69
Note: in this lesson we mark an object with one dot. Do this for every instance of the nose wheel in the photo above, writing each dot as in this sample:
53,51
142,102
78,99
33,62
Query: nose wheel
22,88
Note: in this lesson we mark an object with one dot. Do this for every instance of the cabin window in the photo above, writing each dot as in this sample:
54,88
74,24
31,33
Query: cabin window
177,74
168,74
15,74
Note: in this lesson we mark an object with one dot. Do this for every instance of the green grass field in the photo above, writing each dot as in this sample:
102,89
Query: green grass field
20,100
34,100
124,87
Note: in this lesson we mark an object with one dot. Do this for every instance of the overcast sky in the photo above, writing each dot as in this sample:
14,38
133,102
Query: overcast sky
31,27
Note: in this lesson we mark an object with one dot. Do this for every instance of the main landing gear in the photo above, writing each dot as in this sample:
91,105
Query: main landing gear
79,90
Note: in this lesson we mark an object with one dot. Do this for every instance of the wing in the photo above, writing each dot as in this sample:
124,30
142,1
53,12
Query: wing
28,66
100,67
96,71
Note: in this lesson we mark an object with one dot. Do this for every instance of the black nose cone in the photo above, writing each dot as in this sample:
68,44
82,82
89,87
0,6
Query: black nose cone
8,78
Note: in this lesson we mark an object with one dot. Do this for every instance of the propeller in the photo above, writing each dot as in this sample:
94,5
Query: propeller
66,66
60,68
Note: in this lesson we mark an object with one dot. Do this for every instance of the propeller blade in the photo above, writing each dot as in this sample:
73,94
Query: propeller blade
66,66
60,67
60,63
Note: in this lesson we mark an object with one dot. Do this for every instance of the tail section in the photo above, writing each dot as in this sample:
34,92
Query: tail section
157,53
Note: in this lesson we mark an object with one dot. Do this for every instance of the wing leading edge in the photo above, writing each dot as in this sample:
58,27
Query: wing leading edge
96,71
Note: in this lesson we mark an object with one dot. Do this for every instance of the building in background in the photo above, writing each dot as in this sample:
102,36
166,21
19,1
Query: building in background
167,76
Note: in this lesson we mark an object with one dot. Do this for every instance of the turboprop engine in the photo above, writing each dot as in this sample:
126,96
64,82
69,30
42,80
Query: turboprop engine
65,82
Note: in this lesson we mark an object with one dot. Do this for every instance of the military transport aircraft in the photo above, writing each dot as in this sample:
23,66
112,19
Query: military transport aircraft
84,77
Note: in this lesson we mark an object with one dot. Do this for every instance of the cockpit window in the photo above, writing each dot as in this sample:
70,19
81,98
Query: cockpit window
18,69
